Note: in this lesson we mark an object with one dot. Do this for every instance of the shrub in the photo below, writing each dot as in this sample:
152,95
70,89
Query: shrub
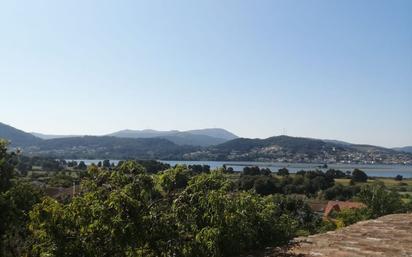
283,172
359,176
340,192
173,179
351,216
335,173
399,178
265,185
379,200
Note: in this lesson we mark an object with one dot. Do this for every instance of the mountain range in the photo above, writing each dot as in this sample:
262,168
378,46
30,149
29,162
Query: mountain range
199,137
202,144
407,149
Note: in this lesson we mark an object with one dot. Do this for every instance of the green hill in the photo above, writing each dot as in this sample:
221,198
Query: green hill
100,147
186,146
17,137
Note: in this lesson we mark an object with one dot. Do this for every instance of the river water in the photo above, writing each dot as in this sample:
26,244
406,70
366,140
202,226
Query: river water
373,170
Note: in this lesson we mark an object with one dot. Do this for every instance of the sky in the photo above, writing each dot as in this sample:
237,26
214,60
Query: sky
310,68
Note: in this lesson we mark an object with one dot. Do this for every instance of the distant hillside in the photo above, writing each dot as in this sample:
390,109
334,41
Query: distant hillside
94,146
338,142
293,144
185,138
407,149
273,148
176,145
46,136
100,147
17,137
371,149
214,132
145,133
296,149
200,137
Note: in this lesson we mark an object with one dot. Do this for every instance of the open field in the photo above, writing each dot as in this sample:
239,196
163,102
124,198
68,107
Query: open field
387,181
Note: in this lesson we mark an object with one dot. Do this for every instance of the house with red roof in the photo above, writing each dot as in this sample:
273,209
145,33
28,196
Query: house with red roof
338,206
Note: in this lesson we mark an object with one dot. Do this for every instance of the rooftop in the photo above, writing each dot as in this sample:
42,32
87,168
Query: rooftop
388,236
340,205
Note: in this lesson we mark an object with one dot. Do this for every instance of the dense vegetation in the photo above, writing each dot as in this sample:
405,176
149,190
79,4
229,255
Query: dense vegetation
125,211
307,183
146,209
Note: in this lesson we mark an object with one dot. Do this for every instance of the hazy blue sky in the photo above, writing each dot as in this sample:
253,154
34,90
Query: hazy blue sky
324,69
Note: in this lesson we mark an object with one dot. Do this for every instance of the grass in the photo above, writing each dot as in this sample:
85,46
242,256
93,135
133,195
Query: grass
389,182
342,181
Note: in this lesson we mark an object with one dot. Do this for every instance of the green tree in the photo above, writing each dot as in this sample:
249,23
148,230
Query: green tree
6,166
335,173
399,178
16,200
379,200
251,171
225,224
110,220
174,178
359,176
123,213
15,206
82,166
265,185
283,172
131,167
106,164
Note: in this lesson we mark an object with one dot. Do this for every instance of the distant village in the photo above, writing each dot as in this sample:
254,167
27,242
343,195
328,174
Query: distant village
329,157
352,158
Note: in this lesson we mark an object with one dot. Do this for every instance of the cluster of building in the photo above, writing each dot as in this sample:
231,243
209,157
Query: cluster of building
345,157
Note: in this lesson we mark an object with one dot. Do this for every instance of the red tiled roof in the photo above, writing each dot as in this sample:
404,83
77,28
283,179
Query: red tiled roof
340,205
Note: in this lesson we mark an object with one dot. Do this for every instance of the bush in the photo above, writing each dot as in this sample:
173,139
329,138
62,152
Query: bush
265,185
283,172
350,216
152,166
173,179
255,171
335,173
197,168
340,192
399,178
359,176
326,225
379,200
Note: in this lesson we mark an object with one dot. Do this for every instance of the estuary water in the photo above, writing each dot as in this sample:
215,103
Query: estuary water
373,170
